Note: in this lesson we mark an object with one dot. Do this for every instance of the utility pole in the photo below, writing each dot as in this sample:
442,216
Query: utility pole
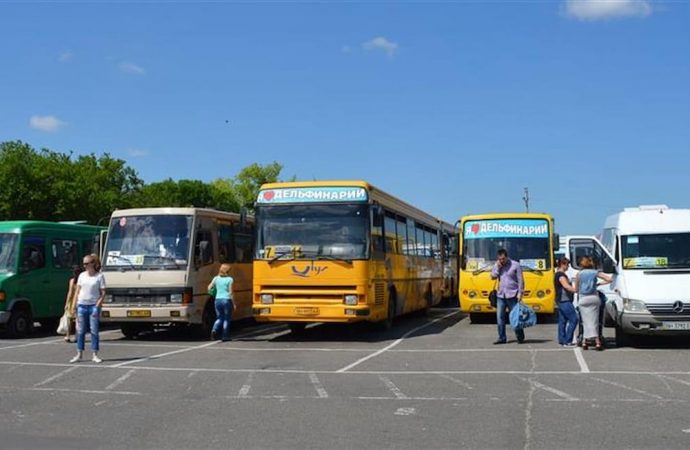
525,198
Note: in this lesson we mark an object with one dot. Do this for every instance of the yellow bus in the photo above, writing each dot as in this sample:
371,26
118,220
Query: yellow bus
344,251
158,263
528,237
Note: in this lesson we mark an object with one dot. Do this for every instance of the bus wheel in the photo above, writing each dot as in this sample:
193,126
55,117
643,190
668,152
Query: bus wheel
207,320
387,323
297,328
622,339
21,323
132,330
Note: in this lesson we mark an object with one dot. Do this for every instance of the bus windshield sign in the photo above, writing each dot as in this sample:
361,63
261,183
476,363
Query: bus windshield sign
312,195
506,228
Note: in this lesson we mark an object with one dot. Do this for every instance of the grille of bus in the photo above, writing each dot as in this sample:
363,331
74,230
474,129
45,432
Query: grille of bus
149,299
312,293
525,294
666,309
379,291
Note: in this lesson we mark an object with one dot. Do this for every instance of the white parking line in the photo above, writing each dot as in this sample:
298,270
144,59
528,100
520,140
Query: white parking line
120,380
393,388
80,391
584,368
56,376
161,355
396,342
318,386
456,381
687,383
622,386
563,395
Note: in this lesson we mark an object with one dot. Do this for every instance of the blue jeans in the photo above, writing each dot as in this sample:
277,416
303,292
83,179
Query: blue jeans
502,318
223,316
567,322
87,317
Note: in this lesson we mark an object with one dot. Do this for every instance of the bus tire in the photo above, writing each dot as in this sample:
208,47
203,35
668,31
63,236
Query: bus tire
387,323
208,318
21,323
297,328
132,330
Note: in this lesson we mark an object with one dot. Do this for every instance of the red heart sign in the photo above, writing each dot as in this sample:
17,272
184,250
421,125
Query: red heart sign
268,195
475,228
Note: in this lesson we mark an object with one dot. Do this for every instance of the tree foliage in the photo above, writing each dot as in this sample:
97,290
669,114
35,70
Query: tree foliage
48,185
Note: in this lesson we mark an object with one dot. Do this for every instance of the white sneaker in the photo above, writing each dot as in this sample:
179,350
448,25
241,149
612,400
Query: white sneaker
96,359
76,358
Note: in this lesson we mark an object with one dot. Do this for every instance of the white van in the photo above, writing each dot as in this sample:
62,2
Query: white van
650,248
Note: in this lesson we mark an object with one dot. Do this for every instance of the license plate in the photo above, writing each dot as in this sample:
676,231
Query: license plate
138,313
676,325
308,311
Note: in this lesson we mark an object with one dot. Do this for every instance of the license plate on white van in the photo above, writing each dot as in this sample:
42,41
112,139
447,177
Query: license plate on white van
676,325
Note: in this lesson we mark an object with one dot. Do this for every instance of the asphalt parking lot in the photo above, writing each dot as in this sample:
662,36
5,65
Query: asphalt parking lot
433,381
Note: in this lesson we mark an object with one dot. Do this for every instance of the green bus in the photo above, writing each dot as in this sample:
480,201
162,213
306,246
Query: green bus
36,261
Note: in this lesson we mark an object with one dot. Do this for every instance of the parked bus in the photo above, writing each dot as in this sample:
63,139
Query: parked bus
344,251
158,263
528,237
36,262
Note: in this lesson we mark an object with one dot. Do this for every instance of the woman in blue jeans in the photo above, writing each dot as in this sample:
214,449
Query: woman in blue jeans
223,302
90,294
567,316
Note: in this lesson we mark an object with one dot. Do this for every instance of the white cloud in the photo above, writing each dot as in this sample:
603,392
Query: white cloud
137,152
131,68
65,56
383,44
46,123
607,9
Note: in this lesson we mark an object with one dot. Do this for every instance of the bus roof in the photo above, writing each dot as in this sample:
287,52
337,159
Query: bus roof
376,194
184,211
16,226
650,220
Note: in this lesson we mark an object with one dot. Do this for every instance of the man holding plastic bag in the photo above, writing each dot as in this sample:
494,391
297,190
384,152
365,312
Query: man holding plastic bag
510,287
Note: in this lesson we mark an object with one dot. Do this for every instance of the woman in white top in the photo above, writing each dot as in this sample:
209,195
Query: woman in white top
90,294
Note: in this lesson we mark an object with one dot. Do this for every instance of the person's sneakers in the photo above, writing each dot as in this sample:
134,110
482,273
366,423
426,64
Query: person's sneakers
499,342
76,358
570,345
96,359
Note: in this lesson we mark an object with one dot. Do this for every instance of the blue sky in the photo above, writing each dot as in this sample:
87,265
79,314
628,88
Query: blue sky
454,107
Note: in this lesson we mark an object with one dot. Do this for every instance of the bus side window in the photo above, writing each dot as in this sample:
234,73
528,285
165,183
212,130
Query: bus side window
33,254
203,248
64,254
225,246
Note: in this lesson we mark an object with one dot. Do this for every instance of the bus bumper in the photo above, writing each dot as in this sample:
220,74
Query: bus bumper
646,324
4,316
311,313
484,307
151,314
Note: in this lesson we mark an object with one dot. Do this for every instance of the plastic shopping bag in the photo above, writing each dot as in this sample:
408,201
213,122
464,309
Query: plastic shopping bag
522,316
63,326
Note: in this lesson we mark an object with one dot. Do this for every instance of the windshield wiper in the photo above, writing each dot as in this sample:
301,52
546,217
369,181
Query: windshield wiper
334,258
168,258
482,270
280,256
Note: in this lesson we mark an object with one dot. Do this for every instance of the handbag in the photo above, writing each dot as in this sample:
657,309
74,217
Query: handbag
212,292
63,325
493,295
522,316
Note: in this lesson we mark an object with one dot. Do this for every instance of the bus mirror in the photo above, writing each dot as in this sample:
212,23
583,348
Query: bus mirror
608,266
556,242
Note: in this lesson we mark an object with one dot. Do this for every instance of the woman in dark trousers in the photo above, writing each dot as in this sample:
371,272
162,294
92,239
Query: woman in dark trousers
567,316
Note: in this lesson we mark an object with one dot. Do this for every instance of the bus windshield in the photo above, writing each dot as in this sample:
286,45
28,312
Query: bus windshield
312,231
526,241
148,242
656,251
8,252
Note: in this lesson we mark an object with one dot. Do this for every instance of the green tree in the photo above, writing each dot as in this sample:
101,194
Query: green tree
48,185
248,182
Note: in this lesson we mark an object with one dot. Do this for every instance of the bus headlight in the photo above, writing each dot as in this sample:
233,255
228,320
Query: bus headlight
631,305
350,299
267,299
472,294
175,298
540,294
